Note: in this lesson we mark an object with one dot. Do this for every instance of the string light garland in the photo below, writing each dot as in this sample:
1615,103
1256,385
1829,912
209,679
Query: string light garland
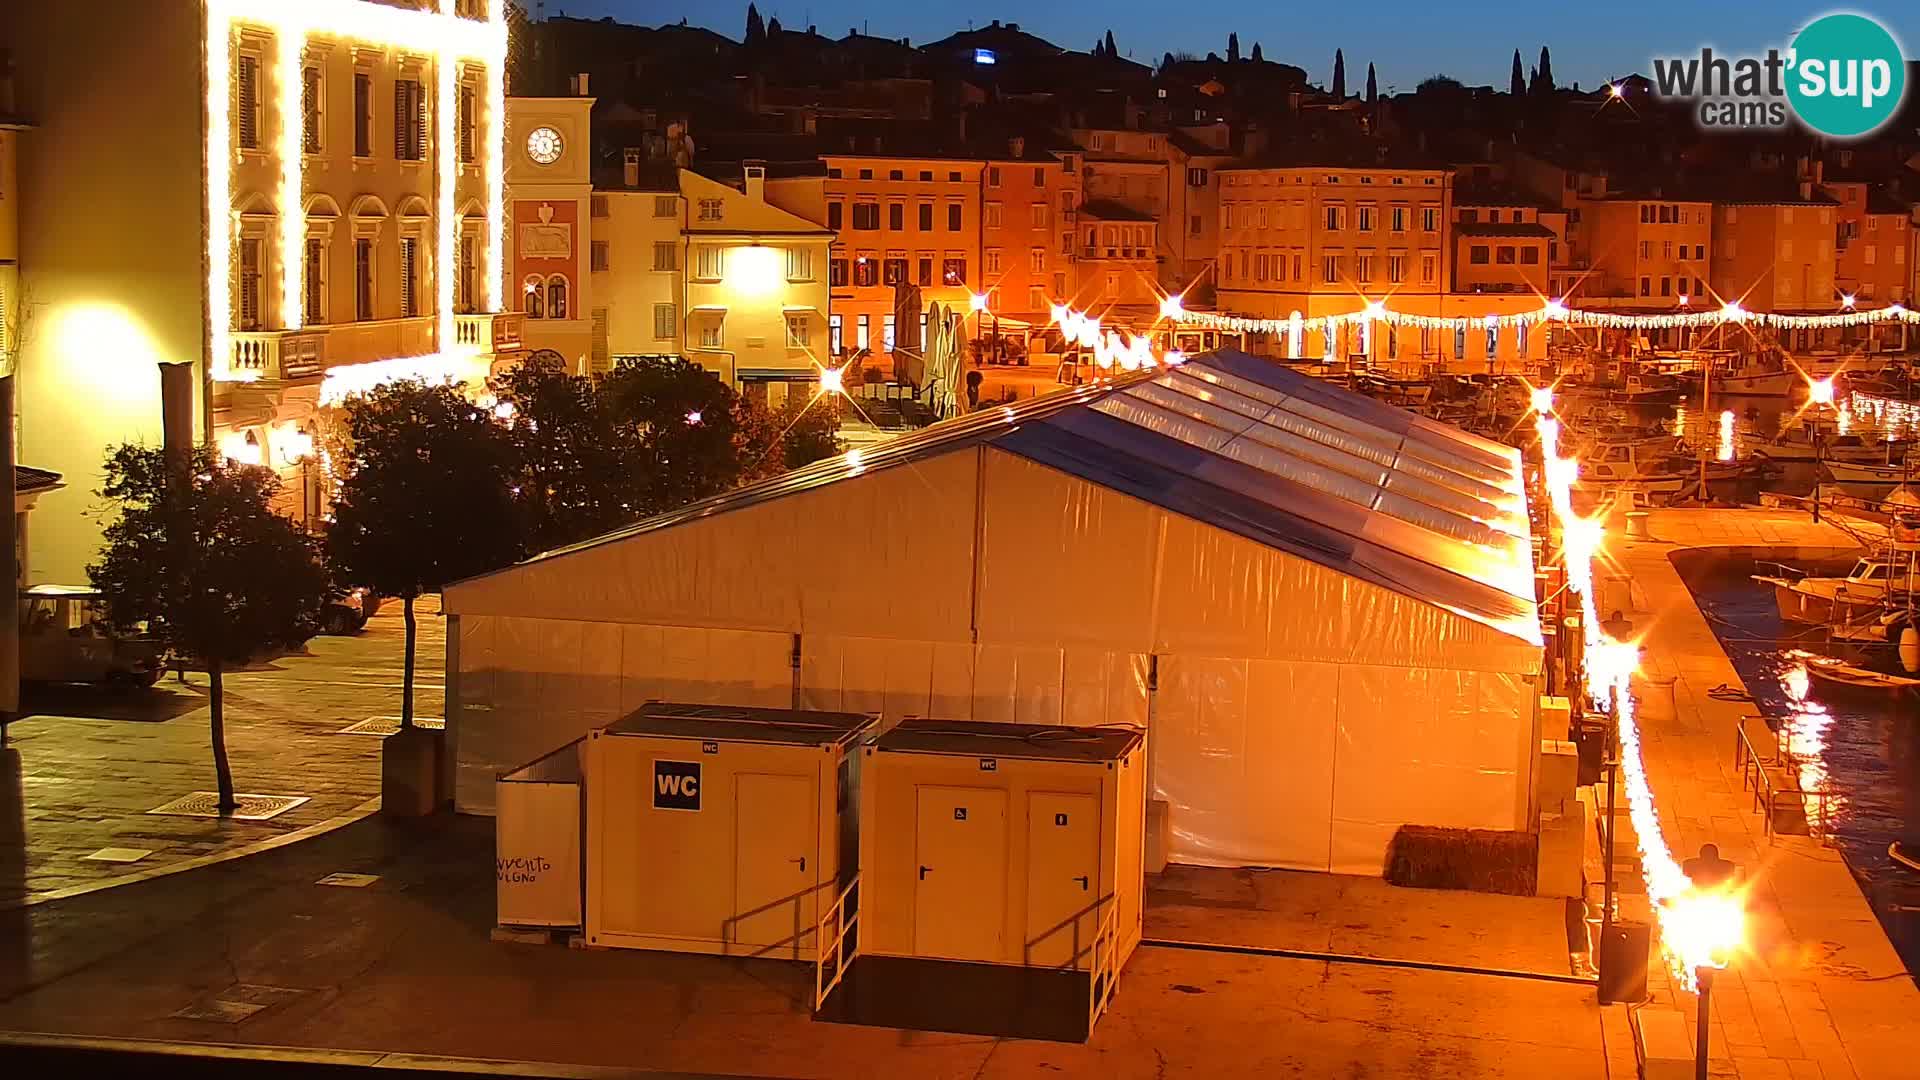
1698,928
1551,311
441,35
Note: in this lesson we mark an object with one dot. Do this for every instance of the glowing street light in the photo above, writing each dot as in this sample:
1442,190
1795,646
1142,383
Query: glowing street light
1541,399
694,417
1613,90
833,381
1170,308
1847,301
1820,391
976,302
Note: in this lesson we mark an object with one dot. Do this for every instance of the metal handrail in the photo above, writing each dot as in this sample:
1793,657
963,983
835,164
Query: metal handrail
1102,967
842,917
1754,776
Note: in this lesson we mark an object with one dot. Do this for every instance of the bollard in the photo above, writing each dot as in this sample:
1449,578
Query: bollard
1637,525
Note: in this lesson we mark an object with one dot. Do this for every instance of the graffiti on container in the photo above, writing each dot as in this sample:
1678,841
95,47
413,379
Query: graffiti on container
520,869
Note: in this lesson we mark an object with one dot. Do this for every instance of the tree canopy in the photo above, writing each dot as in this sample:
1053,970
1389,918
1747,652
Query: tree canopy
1339,74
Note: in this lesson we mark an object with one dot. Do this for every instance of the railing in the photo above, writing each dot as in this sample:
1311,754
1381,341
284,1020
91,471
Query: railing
1103,967
277,354
1756,776
832,953
495,332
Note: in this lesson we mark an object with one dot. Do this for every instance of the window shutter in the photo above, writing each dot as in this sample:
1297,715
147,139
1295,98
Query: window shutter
599,359
421,125
310,110
401,111
248,88
362,115
408,300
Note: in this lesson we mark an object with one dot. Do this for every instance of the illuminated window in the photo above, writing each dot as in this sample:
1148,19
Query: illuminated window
953,270
556,297
799,334
1459,343
834,343
894,270
866,271
1521,336
713,332
886,333
1330,268
665,325
860,332
310,98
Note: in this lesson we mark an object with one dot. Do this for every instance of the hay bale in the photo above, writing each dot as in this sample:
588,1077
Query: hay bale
1474,860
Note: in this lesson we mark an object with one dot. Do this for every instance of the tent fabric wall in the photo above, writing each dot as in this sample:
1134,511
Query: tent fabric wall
525,686
864,552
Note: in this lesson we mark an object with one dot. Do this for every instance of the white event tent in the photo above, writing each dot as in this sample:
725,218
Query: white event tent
1320,607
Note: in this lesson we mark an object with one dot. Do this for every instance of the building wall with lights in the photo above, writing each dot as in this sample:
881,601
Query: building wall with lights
1775,256
755,283
1029,203
317,198
912,219
639,279
108,286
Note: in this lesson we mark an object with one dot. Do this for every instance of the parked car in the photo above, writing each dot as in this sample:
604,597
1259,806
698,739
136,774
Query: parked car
348,612
65,638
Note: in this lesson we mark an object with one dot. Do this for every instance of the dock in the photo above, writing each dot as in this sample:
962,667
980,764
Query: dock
1821,991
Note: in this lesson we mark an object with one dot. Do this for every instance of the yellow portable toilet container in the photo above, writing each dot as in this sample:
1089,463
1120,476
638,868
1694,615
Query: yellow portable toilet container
718,829
1007,847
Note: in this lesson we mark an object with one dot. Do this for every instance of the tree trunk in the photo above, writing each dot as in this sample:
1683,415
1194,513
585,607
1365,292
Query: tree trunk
406,682
223,774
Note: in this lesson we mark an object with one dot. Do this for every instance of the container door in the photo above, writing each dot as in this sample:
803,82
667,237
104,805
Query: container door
776,842
960,884
1063,878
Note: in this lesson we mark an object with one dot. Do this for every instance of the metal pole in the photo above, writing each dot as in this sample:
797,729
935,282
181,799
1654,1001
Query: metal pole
1704,976
9,547
1819,452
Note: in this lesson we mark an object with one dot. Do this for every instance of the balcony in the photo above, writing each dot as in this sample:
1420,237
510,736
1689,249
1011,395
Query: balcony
278,354
1104,252
495,333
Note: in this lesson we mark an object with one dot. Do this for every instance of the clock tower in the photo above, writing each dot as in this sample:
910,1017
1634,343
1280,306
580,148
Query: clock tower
549,180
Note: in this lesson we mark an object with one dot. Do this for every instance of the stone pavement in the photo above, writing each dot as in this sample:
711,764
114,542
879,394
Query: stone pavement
1822,992
85,765
404,965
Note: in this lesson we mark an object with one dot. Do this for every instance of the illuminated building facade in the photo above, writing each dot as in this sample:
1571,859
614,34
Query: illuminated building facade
320,206
550,211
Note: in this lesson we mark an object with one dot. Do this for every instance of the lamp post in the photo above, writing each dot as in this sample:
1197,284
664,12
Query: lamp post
1704,976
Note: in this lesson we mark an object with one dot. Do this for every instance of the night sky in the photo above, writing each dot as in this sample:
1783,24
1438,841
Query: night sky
1408,40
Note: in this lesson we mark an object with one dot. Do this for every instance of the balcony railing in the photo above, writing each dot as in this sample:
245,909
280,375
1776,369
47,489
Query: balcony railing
498,332
278,354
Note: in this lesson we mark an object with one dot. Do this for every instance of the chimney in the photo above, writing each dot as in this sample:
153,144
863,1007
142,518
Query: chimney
630,167
755,173
1017,147
577,85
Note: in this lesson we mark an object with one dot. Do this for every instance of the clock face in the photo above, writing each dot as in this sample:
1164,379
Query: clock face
543,145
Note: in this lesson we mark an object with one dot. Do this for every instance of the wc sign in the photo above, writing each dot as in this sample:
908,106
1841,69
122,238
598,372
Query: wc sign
676,785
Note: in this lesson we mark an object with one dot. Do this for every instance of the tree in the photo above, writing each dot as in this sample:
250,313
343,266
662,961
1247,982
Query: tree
1543,82
756,30
1111,51
1257,58
1517,82
572,480
1339,74
198,555
1440,85
800,433
676,423
1373,88
424,499
1233,48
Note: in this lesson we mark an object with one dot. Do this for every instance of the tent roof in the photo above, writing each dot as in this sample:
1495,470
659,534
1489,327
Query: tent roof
1259,450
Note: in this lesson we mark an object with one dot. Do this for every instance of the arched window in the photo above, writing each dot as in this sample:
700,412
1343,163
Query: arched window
556,297
536,299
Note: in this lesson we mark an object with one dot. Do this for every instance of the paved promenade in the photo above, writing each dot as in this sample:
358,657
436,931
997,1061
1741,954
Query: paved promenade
1822,994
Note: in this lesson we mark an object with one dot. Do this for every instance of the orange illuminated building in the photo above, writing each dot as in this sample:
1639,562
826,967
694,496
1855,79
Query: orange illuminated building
1872,238
1776,253
1644,253
1028,203
898,220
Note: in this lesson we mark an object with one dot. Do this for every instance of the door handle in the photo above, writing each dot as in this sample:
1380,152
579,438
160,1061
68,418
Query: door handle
802,860
1082,879
923,872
